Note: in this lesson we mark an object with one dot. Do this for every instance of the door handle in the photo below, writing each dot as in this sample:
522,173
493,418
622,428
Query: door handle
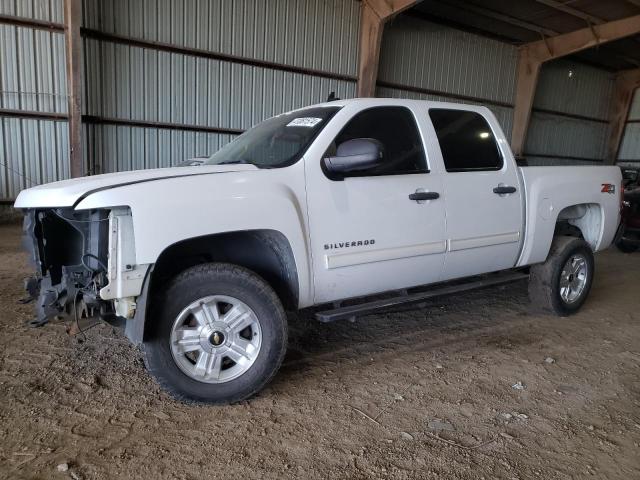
422,196
502,190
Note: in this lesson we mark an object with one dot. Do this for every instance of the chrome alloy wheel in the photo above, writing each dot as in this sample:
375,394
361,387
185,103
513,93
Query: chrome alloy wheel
216,339
573,278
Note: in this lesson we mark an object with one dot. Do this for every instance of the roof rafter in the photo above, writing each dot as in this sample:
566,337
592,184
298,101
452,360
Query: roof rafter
516,22
587,17
532,55
533,27
574,12
578,40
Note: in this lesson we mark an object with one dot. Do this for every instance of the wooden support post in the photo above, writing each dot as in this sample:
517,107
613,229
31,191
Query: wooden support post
370,40
73,41
375,13
626,84
536,53
527,79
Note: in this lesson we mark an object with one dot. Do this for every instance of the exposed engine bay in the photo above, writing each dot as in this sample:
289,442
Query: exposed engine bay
69,250
83,270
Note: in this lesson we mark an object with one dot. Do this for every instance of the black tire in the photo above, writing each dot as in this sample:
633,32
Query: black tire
544,281
626,246
216,279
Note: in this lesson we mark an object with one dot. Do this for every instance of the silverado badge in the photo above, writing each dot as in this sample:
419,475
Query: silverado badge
358,243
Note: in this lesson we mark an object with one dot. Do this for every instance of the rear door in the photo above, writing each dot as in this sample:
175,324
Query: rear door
482,194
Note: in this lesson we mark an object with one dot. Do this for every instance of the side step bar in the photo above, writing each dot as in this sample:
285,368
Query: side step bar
352,311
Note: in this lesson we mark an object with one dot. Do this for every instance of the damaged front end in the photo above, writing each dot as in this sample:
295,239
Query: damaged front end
83,270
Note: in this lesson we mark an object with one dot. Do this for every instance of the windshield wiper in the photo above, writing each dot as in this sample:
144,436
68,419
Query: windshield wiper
235,162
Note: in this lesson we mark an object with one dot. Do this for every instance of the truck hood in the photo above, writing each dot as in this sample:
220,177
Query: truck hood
67,193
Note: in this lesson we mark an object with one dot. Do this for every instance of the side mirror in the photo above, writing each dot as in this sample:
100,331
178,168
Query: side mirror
354,155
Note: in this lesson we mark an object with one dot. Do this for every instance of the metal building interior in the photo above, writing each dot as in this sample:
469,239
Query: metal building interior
473,385
143,84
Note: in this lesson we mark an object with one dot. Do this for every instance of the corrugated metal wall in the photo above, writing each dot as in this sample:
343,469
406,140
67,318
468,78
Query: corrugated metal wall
45,10
32,79
32,152
629,153
129,82
202,102
424,60
569,122
116,148
220,66
318,34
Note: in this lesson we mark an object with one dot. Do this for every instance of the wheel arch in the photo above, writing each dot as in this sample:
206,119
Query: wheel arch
586,218
582,220
268,253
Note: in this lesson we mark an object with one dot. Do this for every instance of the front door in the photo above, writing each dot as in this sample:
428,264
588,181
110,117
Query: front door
367,235
483,198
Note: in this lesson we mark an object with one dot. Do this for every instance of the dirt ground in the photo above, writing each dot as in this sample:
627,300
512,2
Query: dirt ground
438,380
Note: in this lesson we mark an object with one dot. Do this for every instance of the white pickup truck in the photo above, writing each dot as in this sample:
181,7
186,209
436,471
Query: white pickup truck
338,201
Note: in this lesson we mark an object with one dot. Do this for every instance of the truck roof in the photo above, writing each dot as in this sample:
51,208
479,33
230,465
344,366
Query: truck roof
374,102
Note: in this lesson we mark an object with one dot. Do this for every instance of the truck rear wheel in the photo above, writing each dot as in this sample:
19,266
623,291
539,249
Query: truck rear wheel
219,335
561,284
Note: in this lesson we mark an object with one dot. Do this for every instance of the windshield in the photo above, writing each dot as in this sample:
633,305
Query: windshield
277,142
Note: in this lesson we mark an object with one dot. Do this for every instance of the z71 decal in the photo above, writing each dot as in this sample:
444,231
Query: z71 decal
608,188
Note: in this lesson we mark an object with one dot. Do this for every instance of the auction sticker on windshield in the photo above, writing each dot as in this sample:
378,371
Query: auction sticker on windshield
304,122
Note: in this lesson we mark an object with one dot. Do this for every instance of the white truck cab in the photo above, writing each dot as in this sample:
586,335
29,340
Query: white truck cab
341,200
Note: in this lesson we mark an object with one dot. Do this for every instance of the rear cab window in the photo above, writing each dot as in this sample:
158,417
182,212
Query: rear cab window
466,141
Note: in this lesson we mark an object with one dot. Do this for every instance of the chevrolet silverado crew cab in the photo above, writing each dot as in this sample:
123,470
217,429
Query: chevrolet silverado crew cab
328,205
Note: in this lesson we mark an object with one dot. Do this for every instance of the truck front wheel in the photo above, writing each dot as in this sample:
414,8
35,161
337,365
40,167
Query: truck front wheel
219,335
561,284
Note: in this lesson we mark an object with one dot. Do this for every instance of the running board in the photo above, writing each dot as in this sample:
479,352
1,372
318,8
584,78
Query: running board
352,311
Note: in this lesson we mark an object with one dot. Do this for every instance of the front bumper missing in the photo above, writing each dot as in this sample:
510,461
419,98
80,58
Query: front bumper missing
86,264
65,248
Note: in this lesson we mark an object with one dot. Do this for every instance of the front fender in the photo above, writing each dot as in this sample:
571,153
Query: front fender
168,211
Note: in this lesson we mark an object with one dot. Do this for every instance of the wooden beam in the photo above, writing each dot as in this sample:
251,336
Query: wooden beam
528,71
375,13
73,42
578,40
533,27
370,40
626,84
532,55
34,115
590,19
31,23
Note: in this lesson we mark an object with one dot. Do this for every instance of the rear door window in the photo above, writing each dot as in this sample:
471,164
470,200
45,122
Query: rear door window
466,141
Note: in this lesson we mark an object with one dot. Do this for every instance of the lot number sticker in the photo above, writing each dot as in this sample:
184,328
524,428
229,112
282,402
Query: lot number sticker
304,122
